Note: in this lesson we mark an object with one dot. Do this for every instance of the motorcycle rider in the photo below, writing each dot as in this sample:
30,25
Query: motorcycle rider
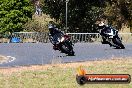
104,30
54,32
103,27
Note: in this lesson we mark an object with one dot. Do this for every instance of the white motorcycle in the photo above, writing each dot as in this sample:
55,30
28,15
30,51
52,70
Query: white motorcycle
111,37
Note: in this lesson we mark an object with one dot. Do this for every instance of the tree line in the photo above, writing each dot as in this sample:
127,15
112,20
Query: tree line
14,14
82,14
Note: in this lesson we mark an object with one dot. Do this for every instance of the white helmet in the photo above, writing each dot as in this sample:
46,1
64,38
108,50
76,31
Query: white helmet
50,26
101,23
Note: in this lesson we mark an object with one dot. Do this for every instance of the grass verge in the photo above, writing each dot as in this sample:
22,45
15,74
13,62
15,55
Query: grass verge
63,75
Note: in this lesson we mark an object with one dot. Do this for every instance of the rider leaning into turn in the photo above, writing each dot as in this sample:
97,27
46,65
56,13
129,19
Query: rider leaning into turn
53,32
104,29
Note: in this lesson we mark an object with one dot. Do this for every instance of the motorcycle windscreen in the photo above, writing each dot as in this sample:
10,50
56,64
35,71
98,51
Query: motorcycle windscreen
108,30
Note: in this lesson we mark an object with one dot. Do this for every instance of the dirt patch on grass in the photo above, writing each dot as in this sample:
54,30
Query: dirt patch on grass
119,61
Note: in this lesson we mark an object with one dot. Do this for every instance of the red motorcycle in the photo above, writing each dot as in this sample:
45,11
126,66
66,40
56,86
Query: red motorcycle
62,42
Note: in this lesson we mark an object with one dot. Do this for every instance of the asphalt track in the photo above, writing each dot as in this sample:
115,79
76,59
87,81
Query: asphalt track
22,54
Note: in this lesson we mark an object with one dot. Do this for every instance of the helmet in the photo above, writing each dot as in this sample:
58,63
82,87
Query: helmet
101,23
50,26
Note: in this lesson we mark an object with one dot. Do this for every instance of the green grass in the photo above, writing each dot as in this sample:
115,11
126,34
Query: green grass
63,76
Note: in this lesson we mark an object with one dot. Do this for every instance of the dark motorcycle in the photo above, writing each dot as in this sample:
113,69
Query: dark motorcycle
62,43
110,36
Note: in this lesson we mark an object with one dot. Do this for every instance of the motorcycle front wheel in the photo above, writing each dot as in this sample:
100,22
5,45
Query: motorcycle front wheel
67,48
118,42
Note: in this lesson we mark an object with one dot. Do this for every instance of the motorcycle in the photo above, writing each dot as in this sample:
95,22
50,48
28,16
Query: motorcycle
111,37
62,43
